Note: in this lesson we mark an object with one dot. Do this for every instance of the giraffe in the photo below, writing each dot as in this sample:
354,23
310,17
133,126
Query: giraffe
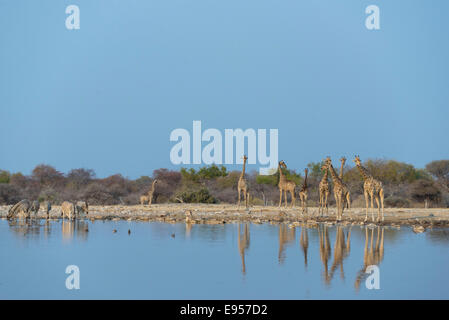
340,189
303,192
347,196
324,191
151,192
373,189
243,185
285,185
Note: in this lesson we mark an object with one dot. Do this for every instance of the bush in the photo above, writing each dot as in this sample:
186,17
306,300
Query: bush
200,196
397,202
9,194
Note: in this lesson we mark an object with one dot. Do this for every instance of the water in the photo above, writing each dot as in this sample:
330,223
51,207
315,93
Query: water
231,261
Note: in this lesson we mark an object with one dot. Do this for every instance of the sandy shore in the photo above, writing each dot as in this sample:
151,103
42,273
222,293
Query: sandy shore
420,219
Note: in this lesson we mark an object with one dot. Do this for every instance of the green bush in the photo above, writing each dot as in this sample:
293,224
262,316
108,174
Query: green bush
200,196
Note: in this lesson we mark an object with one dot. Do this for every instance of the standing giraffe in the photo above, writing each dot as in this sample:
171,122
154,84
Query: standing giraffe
303,192
324,191
151,192
242,185
371,188
347,196
285,185
340,189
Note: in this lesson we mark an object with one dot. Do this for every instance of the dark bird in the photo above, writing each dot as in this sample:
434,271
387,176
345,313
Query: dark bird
114,231
129,231
172,235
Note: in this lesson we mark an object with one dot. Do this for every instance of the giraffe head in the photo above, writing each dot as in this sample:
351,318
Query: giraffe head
357,160
306,170
282,164
328,161
324,167
244,157
343,160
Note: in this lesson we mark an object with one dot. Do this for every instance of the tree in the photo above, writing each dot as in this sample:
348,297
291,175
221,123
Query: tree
47,176
440,170
425,190
4,176
9,194
78,178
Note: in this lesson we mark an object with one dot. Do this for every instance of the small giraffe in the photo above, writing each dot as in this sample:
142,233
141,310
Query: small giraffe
303,192
373,189
340,189
324,191
347,196
285,185
243,185
151,192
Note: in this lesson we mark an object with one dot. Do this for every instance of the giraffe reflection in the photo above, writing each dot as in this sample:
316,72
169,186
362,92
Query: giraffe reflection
372,255
286,235
342,248
325,251
243,242
304,242
74,227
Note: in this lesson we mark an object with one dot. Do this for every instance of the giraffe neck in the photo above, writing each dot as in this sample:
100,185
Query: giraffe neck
334,175
341,170
153,185
281,174
364,172
242,175
305,180
326,172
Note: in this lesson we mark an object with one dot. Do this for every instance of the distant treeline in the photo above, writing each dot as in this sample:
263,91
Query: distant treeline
405,185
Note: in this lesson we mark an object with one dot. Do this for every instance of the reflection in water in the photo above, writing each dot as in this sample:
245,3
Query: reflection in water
372,255
243,242
325,251
304,242
286,235
29,227
74,227
188,229
342,247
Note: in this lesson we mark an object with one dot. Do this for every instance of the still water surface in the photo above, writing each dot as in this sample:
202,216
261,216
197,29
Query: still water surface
231,261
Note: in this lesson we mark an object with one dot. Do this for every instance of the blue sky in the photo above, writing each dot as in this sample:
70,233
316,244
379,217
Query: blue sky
107,96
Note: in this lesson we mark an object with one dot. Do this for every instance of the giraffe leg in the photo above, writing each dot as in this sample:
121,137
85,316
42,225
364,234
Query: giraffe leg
280,197
239,198
293,198
326,204
378,207
305,202
372,205
381,193
348,203
285,198
367,205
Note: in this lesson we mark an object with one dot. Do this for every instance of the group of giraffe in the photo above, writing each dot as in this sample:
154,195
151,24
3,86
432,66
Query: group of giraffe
372,189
